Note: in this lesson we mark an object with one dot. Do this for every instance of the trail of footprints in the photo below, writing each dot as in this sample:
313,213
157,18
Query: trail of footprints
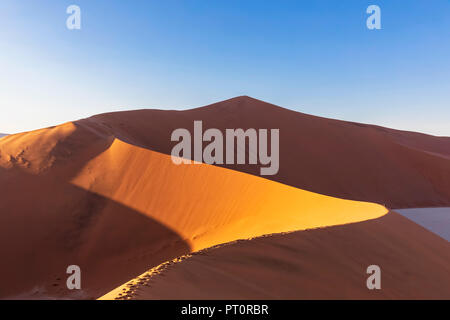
131,288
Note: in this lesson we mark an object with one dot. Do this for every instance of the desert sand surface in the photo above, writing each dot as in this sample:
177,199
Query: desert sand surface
103,193
3,135
436,220
74,194
325,263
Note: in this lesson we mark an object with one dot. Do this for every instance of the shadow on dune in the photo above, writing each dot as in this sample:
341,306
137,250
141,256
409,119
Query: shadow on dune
47,224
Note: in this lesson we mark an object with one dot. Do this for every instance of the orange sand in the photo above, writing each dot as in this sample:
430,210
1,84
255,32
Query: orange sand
73,194
207,205
102,193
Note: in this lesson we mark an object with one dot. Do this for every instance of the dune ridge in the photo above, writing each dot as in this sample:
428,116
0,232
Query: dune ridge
213,205
325,263
348,160
356,161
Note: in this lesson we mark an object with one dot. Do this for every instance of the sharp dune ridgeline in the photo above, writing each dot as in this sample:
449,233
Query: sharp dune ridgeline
104,194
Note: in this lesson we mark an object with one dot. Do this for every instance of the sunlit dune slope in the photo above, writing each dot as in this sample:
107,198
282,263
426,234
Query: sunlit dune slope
328,263
78,194
207,205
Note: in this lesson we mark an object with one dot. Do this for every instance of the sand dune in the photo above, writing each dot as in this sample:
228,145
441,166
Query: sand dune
3,135
207,205
74,194
342,159
328,263
103,193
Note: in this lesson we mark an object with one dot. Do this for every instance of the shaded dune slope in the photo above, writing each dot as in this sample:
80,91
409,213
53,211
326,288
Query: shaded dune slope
47,223
78,194
326,263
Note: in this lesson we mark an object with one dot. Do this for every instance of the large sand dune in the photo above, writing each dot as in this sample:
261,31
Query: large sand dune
328,263
342,159
75,194
103,193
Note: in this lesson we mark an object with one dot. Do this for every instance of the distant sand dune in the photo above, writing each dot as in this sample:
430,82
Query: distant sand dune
343,159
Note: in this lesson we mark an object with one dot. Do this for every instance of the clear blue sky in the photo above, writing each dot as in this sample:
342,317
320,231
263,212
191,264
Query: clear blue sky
317,57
